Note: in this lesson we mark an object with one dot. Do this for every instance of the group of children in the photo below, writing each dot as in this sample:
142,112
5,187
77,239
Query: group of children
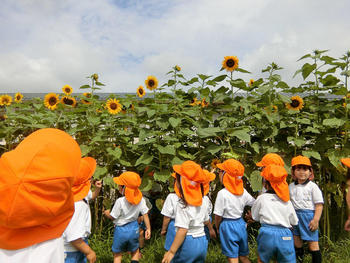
45,215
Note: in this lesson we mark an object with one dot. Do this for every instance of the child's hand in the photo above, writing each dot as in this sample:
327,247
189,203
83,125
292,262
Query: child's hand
212,233
168,256
107,212
163,232
313,226
347,225
148,234
98,184
91,256
248,217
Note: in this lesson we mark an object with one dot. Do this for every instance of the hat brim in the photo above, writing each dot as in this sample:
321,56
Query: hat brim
81,191
260,164
118,181
346,162
177,169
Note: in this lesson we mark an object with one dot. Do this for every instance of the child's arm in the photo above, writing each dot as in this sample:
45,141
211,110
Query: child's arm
148,226
178,240
313,225
218,220
98,185
165,224
84,248
107,213
347,223
211,229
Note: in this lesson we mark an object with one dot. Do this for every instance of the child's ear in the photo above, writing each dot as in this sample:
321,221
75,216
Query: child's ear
293,175
312,176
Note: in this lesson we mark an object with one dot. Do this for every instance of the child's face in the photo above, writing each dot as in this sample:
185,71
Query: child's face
302,173
221,175
121,189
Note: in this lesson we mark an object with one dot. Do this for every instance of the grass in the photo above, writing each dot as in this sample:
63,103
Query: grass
332,252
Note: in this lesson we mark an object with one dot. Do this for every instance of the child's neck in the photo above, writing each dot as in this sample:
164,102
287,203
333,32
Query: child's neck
302,181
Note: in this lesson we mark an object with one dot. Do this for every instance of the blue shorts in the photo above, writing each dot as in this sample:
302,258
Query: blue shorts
75,257
170,235
276,242
302,229
126,238
192,250
234,237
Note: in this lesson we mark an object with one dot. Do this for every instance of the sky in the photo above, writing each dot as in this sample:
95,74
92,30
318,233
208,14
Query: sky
45,44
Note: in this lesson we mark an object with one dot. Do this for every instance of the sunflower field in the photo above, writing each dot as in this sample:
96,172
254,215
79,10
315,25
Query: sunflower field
206,119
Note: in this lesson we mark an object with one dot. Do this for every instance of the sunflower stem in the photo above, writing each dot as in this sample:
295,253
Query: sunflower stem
231,84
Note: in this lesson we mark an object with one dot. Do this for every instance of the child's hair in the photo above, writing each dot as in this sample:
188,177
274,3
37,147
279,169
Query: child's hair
267,185
304,166
183,200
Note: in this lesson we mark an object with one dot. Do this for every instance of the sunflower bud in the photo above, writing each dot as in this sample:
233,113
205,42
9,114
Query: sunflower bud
95,77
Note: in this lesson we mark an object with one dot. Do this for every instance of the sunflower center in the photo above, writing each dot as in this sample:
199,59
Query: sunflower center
230,62
113,106
295,103
52,101
67,90
18,97
68,101
140,91
151,83
88,95
5,100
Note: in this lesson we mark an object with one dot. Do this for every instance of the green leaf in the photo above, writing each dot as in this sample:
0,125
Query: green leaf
100,172
305,56
116,152
330,80
84,149
144,159
203,77
207,132
307,69
220,78
313,154
146,184
213,149
85,87
242,70
185,154
169,149
242,134
334,122
345,73
312,130
150,113
99,83
256,147
162,176
174,122
255,181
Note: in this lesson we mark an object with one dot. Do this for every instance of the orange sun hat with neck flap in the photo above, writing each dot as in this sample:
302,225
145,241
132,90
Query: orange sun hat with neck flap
346,162
36,179
277,175
131,181
192,176
232,180
210,177
82,184
270,158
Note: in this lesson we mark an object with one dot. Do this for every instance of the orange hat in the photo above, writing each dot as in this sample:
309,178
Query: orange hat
210,177
36,179
192,176
346,162
81,185
301,160
271,158
277,175
232,179
132,181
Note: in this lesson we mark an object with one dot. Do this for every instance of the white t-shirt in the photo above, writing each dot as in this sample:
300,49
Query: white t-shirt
79,226
123,212
50,251
192,218
210,205
228,205
305,196
169,205
269,209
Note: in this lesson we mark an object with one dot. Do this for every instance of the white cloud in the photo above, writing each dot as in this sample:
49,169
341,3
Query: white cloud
46,44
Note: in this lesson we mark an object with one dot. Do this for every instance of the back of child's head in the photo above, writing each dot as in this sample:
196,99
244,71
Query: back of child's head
276,175
232,178
131,181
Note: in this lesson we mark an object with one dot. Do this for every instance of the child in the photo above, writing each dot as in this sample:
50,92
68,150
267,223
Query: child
168,211
307,200
276,214
36,201
190,243
346,162
228,210
76,234
124,215
208,229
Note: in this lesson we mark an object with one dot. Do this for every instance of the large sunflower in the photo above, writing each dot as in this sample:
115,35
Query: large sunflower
67,89
140,91
51,101
296,104
151,82
204,103
70,101
113,106
5,100
18,97
230,63
88,96
214,163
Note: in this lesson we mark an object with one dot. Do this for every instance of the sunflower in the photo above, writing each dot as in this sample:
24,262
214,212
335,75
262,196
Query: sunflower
18,97
230,63
113,106
70,101
140,91
3,117
51,101
214,163
131,107
177,68
195,102
204,103
296,104
251,82
5,100
88,96
67,89
151,83
123,109
95,77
